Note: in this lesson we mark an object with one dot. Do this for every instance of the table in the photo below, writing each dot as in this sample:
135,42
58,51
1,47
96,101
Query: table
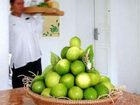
19,96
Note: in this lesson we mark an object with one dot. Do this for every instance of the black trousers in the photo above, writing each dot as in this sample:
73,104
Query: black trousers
34,67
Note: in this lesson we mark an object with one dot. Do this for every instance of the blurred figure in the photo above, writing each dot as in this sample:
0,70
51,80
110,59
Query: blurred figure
24,43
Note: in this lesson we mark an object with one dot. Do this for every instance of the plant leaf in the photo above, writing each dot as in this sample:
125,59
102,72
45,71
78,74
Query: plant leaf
88,57
47,69
54,58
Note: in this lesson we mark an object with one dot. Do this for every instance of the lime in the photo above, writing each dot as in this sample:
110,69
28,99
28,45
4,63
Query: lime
38,86
95,78
104,78
77,67
64,51
38,78
109,85
46,92
75,41
62,67
90,94
54,59
81,53
102,90
93,70
75,93
73,53
83,80
67,80
51,79
59,90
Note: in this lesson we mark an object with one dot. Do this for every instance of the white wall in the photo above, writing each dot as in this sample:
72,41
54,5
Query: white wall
4,44
125,57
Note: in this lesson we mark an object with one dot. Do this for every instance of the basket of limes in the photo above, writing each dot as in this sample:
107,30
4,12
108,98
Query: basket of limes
72,79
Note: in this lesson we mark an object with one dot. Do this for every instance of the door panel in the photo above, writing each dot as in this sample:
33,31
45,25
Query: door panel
102,23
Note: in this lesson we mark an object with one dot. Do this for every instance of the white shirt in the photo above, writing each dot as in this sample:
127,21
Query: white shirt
24,39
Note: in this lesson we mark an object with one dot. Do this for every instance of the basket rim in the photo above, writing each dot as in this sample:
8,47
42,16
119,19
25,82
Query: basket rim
62,101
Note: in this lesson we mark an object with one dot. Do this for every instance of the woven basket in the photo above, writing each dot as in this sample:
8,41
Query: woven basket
40,100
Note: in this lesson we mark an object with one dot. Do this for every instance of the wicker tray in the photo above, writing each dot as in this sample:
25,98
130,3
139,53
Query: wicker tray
44,10
40,100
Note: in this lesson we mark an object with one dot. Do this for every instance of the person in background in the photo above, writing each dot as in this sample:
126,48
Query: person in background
24,32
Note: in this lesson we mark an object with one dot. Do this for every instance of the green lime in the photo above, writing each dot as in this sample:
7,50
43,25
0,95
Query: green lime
104,78
83,80
95,78
46,92
38,78
90,94
75,41
67,80
75,93
38,86
77,67
102,90
59,90
64,51
93,70
73,53
109,85
81,53
51,79
62,67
